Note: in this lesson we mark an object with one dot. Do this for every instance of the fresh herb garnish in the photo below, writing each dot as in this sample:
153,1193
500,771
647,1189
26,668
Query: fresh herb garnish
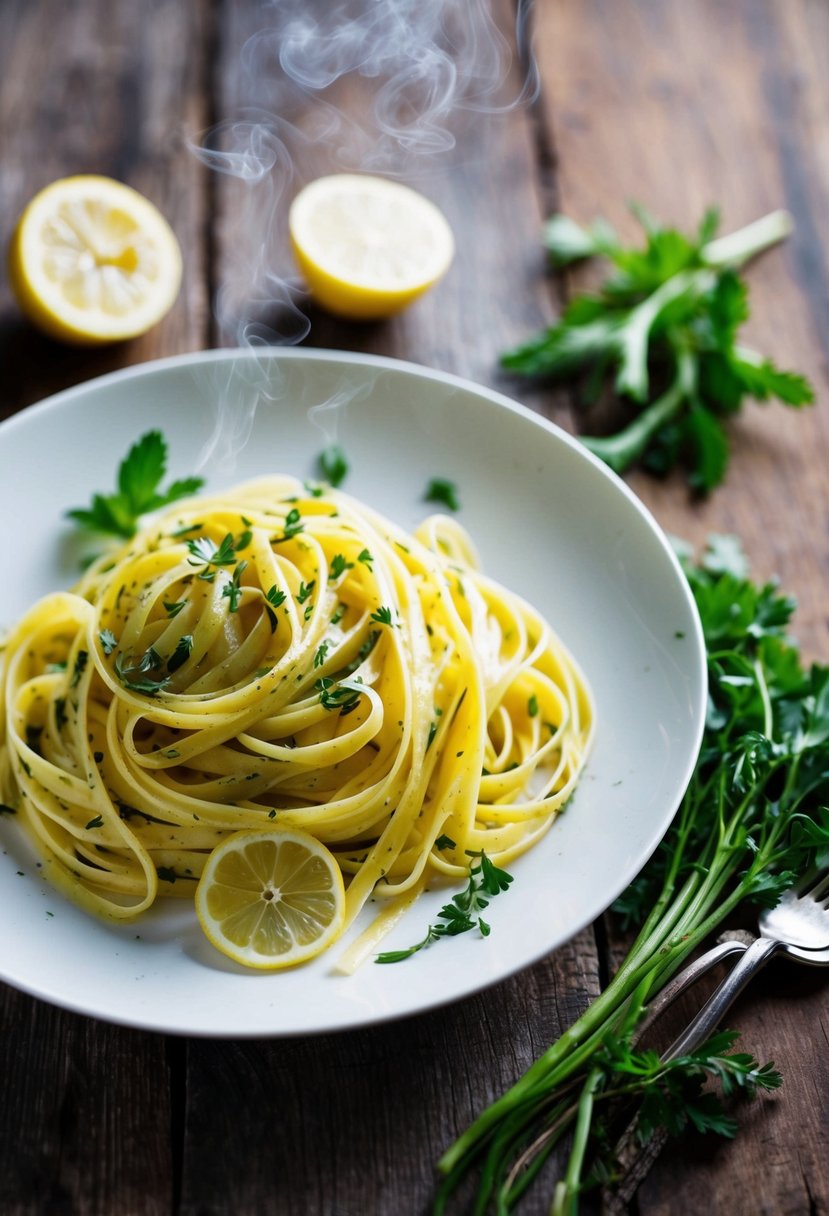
661,333
464,910
140,676
343,696
322,651
173,608
233,590
181,654
366,558
108,641
140,475
382,616
333,465
205,552
293,526
305,590
339,565
442,491
81,660
754,816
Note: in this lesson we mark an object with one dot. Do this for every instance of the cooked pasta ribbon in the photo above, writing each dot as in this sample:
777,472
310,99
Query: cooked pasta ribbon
281,654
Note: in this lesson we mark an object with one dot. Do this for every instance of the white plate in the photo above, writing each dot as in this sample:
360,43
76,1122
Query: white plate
549,521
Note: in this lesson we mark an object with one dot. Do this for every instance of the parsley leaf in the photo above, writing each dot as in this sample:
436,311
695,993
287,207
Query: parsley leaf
442,491
333,464
343,696
138,491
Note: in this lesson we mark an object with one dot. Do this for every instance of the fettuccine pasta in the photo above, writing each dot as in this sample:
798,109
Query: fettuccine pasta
282,655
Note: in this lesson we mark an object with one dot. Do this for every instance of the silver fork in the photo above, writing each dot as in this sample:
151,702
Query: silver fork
798,927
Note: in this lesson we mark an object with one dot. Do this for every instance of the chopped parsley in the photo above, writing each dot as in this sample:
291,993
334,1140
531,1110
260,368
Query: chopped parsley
108,641
233,590
339,566
344,696
333,464
181,653
442,491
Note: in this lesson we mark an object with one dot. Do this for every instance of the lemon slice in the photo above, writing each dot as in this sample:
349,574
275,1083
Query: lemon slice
92,261
270,899
366,246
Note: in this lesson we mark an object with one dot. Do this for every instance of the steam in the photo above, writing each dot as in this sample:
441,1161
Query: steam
327,86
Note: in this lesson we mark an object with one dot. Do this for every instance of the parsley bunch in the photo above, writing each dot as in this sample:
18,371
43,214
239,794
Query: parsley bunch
754,816
661,335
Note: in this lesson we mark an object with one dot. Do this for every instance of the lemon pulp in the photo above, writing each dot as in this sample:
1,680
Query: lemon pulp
92,261
368,247
270,899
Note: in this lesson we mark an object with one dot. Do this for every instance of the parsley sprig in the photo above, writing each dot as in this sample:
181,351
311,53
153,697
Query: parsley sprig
661,334
343,695
206,553
753,817
138,490
463,912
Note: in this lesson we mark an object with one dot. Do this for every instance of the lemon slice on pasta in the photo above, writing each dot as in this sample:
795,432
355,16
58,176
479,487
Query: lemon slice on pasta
92,261
269,899
368,247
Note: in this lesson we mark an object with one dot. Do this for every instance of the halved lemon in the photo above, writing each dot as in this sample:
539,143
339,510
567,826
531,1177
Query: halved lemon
367,246
270,899
93,261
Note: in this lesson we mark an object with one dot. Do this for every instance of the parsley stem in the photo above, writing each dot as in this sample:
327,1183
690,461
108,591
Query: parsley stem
566,1193
739,247
623,449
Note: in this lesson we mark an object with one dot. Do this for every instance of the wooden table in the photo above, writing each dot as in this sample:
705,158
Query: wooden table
677,103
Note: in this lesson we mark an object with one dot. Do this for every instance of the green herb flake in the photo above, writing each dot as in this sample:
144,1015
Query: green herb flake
333,465
81,660
108,641
439,490
339,566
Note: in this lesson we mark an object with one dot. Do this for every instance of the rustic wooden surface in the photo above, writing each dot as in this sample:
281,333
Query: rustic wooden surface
677,103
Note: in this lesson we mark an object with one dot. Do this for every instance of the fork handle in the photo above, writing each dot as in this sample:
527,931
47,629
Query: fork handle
686,978
706,1021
